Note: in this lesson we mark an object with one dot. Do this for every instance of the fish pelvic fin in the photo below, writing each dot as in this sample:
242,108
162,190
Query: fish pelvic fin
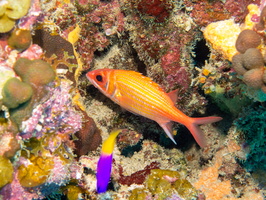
167,127
196,131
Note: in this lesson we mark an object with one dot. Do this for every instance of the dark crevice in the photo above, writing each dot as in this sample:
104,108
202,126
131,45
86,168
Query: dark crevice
202,53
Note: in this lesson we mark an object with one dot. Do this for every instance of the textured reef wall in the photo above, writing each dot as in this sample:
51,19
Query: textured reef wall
53,121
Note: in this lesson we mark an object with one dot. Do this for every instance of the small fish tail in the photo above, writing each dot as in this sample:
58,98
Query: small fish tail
195,130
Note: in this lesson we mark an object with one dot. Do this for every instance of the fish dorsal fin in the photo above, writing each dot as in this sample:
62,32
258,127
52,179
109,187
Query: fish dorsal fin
173,95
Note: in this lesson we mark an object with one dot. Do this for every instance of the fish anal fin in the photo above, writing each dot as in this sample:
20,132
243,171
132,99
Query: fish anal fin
173,95
167,127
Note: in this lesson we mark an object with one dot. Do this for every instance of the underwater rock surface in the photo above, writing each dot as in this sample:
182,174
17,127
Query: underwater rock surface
53,120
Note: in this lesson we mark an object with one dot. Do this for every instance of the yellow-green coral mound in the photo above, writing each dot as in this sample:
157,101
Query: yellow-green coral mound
20,39
10,11
6,171
37,72
163,184
16,92
36,173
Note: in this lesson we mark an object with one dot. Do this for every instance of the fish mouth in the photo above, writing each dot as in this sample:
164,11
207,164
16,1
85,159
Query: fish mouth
89,76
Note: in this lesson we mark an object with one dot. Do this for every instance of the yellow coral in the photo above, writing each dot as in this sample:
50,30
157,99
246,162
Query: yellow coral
253,10
36,172
73,37
10,11
205,72
6,171
222,37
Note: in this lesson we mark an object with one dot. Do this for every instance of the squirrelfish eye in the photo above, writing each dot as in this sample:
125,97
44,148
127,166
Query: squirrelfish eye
99,78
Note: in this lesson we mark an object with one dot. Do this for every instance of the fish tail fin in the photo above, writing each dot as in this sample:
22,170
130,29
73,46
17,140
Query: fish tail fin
195,130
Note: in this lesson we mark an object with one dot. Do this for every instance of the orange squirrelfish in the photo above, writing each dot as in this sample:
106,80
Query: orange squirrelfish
140,95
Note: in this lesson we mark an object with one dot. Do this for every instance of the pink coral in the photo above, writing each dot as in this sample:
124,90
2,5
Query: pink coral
15,191
57,112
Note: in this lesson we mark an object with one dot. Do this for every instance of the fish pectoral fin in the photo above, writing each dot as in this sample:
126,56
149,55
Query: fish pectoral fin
167,127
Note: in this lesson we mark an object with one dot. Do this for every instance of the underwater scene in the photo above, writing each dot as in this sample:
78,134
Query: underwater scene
132,99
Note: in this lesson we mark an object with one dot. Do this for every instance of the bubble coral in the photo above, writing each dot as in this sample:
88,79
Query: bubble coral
10,11
16,92
6,171
36,71
20,39
247,39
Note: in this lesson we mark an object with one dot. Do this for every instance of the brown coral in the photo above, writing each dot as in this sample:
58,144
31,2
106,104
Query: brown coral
89,137
20,39
253,78
237,63
252,59
251,66
247,39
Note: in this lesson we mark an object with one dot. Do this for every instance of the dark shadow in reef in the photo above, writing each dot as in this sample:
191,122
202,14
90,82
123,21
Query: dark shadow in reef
202,53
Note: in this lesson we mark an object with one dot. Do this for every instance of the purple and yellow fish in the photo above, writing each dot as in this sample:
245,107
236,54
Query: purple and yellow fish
140,95
104,166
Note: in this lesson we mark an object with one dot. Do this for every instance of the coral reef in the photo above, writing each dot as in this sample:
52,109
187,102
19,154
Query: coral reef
52,120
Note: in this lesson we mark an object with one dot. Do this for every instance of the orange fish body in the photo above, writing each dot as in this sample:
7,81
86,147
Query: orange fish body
140,95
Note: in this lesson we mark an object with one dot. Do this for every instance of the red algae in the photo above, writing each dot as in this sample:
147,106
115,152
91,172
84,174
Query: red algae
158,9
137,177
